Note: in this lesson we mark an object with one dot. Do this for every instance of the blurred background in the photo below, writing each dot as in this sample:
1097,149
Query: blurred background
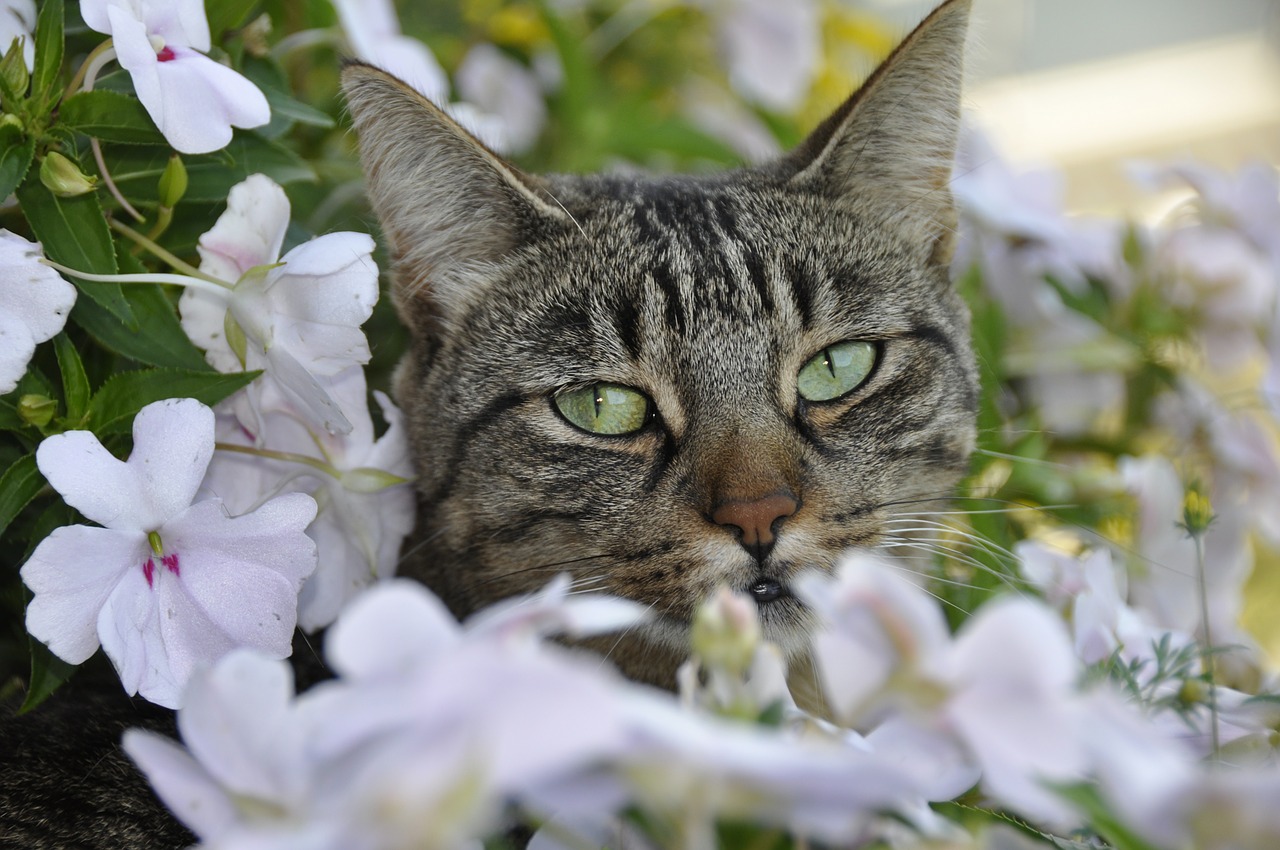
1087,84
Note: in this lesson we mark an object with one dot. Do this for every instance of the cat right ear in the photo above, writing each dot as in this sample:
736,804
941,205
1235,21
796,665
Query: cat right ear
450,208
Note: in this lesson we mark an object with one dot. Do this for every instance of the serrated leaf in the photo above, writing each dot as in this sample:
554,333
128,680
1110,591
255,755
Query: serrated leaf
18,486
285,108
16,153
48,673
74,232
49,49
109,116
75,384
114,405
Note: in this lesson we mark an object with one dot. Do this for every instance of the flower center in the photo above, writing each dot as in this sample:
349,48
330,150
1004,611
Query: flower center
169,562
165,54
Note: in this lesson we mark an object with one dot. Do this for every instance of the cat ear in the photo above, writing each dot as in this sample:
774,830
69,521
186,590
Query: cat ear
450,208
891,146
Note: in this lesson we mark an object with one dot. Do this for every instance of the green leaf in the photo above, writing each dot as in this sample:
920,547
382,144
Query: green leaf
124,394
163,343
74,232
75,384
16,153
48,673
110,116
18,486
137,168
1102,819
228,15
49,47
9,418
285,108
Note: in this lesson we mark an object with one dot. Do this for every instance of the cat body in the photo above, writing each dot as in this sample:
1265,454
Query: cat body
626,378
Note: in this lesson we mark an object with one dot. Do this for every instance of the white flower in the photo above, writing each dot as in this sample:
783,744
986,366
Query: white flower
161,43
360,484
374,34
772,49
18,20
298,317
34,303
165,585
501,87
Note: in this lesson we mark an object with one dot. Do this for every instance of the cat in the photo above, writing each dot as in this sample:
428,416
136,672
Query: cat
657,384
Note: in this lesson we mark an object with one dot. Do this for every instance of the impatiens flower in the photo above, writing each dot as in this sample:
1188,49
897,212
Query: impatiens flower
165,585
34,303
502,87
194,100
374,34
17,20
772,49
298,317
362,486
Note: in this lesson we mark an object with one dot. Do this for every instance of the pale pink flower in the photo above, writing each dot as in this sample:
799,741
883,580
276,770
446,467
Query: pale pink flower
194,100
298,316
501,87
165,585
34,304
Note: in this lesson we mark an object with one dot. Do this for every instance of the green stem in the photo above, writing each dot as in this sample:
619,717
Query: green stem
288,457
1206,648
181,265
89,61
214,288
164,217
96,147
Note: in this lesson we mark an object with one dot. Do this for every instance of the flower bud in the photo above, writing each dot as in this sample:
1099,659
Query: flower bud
63,177
11,120
1197,512
13,69
726,632
37,410
173,182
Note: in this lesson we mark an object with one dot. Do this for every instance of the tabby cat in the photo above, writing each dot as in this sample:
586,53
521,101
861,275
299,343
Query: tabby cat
657,384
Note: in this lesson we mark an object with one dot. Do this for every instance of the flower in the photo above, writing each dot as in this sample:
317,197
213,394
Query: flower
194,100
34,303
773,50
298,317
361,485
503,88
17,20
165,585
374,33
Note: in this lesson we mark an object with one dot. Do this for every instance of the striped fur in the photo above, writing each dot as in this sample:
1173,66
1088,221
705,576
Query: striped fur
706,293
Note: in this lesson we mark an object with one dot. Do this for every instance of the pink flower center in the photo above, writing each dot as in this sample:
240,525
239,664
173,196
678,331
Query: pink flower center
165,55
170,563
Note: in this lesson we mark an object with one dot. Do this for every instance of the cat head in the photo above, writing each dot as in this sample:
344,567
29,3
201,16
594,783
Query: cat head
666,384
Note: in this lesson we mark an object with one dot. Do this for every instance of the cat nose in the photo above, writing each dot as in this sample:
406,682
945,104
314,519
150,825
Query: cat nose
755,519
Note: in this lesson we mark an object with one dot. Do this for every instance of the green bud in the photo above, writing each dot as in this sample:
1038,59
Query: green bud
13,69
11,120
1197,511
63,177
726,632
236,338
173,183
366,479
37,410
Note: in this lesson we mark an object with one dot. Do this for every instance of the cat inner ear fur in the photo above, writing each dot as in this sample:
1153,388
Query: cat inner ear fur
450,208
890,147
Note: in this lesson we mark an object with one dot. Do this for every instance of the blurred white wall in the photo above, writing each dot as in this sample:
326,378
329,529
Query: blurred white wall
1090,84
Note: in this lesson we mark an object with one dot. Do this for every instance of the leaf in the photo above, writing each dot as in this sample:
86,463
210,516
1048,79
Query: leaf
74,232
16,153
75,384
285,108
109,116
49,48
9,418
1101,818
48,673
137,168
18,486
124,394
228,15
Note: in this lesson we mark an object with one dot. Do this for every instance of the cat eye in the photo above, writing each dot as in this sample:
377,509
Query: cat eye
609,409
836,370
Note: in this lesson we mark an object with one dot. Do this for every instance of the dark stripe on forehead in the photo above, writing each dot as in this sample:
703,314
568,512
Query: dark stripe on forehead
661,274
759,277
804,288
626,323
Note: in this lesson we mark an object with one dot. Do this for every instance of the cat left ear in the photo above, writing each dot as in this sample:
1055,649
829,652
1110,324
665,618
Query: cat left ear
890,147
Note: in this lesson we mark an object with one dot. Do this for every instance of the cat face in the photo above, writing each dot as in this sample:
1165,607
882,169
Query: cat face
664,385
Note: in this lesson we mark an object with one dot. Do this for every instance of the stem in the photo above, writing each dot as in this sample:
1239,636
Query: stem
218,289
288,457
304,39
94,61
179,264
164,217
111,184
1206,648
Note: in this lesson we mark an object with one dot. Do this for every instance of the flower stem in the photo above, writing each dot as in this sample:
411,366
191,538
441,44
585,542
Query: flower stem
215,288
1206,647
111,184
179,264
288,457
95,60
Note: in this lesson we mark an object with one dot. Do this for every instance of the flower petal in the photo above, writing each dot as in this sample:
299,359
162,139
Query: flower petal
129,628
181,783
172,446
249,233
72,573
392,628
34,304
93,481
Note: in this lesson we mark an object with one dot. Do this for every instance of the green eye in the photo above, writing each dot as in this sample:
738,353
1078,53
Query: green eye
604,408
836,370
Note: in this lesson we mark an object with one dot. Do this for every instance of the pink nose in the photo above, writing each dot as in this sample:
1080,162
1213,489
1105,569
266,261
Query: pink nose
756,518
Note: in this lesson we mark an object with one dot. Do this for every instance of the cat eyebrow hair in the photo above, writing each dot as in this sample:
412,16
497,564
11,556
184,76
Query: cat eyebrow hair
466,434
